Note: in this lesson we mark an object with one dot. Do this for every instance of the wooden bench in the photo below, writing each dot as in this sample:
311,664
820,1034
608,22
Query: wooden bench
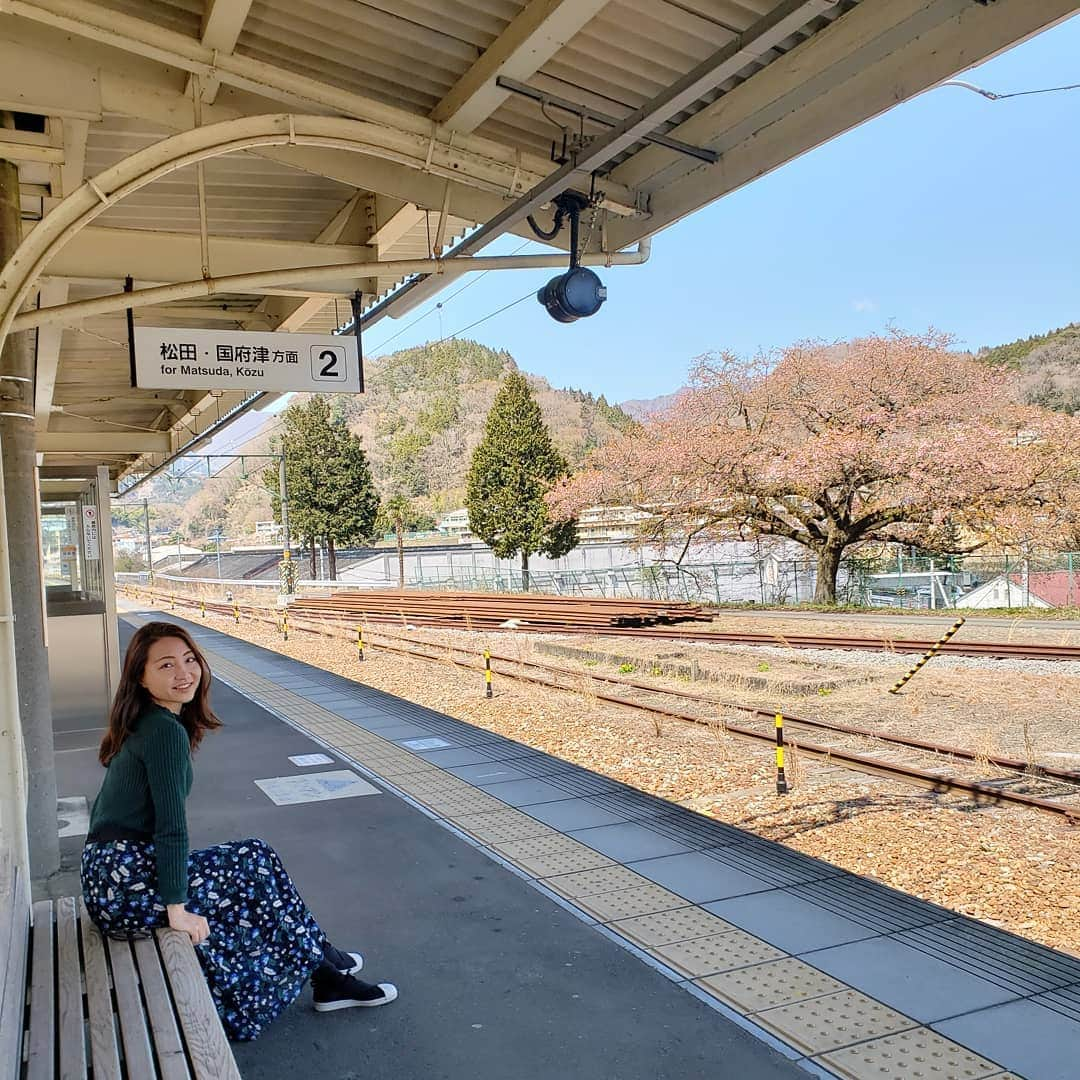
72,1001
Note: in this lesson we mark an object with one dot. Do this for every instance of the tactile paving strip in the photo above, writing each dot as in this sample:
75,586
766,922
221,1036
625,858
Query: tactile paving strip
460,805
920,1054
827,1023
765,986
719,952
643,900
665,927
543,856
592,882
503,825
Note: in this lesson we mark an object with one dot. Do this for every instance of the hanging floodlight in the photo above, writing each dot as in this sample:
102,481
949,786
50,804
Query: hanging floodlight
579,292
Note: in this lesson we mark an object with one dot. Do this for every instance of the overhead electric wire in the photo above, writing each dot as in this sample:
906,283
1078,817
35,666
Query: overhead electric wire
441,304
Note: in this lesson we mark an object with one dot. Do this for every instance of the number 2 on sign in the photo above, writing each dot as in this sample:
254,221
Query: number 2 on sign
328,363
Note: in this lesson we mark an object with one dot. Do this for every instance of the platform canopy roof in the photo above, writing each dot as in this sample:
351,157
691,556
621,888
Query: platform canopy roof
381,131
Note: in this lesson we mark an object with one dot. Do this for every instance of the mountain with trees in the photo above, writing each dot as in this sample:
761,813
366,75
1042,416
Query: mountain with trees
1047,366
419,421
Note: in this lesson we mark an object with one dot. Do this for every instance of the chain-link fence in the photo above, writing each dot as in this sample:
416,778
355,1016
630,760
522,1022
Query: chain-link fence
893,579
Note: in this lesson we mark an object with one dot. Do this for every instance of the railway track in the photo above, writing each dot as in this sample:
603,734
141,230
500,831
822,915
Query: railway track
927,764
620,618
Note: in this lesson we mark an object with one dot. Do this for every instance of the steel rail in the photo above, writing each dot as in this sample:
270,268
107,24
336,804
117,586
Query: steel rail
979,791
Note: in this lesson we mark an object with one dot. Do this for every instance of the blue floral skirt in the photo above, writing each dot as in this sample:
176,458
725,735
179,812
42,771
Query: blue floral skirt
263,944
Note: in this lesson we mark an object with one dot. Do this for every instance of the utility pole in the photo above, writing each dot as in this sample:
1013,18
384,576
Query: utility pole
21,512
149,547
286,556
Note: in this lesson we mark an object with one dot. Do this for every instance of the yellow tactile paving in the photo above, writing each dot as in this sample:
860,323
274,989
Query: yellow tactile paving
719,952
503,825
591,882
919,1054
641,900
827,1023
543,856
766,986
665,927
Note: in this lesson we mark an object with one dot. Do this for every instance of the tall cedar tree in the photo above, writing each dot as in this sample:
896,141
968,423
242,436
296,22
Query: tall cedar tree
512,470
331,493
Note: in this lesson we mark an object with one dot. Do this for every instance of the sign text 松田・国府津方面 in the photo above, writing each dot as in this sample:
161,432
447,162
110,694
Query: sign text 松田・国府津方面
169,358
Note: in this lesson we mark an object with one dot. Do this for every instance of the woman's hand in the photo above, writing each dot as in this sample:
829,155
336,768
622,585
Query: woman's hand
195,926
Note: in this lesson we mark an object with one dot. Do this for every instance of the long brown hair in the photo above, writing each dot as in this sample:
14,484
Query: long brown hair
132,699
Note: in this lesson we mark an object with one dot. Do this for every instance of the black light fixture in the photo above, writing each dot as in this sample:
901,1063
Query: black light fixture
579,292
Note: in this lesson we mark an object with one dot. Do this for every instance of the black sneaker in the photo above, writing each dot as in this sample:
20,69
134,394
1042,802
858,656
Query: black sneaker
350,993
348,963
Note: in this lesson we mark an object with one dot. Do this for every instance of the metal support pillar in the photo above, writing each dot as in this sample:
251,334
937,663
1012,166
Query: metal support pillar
24,554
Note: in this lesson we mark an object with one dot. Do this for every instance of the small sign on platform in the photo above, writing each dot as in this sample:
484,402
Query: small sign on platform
90,532
169,358
311,759
315,787
425,744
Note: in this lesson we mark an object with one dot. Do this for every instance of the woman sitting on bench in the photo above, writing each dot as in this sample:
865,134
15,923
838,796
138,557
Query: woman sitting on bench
258,943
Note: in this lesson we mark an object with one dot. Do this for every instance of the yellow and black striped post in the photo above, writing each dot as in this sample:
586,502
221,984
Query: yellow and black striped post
487,673
781,779
932,651
174,601
202,608
360,644
285,624
236,613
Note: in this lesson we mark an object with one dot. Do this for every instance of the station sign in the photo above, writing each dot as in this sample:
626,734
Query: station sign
167,358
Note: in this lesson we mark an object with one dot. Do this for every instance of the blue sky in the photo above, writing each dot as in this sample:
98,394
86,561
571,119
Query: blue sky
949,211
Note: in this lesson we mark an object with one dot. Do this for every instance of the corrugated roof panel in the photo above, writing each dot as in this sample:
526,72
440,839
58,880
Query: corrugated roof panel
246,195
366,48
184,16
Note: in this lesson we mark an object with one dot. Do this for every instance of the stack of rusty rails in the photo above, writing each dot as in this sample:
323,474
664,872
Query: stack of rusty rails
493,611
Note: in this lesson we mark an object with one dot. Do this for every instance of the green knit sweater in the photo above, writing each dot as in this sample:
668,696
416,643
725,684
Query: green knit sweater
144,791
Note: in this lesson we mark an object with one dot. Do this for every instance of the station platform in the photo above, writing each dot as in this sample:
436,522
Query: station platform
543,921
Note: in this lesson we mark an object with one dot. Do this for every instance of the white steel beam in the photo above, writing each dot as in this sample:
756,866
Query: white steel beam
93,444
49,339
396,226
395,132
160,104
222,22
110,254
871,58
29,82
541,29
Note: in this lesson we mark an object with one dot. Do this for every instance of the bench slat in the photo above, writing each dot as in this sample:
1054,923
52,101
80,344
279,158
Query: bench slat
136,1039
69,993
167,1043
41,1058
104,1052
14,939
211,1056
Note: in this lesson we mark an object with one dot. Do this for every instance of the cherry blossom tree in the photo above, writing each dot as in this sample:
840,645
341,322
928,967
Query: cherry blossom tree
888,438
